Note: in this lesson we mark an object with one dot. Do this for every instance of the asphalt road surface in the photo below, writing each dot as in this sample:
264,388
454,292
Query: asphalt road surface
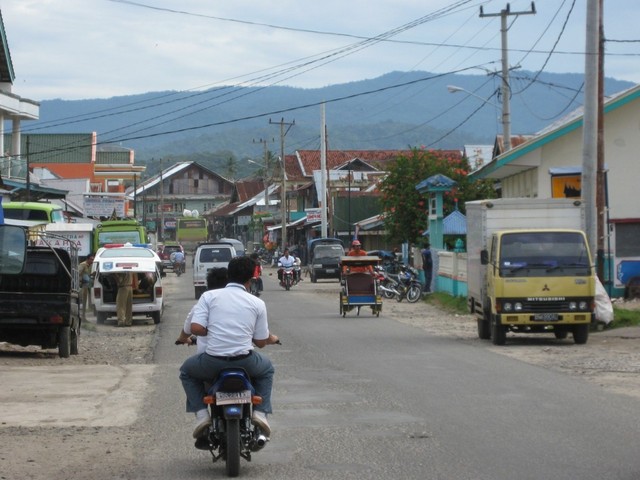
360,397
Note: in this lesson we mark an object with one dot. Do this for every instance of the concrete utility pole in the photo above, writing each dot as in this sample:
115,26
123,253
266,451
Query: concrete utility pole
506,89
161,229
590,123
283,200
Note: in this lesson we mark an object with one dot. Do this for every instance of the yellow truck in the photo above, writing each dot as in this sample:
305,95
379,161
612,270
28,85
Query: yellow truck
529,269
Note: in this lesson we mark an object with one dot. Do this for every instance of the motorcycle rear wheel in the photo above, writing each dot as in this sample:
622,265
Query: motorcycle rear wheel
233,448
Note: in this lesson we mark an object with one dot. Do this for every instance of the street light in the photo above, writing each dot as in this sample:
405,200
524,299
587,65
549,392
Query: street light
506,123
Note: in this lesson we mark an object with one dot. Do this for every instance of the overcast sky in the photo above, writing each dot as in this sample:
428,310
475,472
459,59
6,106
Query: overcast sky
79,49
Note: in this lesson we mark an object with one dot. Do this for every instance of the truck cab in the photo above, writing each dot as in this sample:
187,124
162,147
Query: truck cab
324,258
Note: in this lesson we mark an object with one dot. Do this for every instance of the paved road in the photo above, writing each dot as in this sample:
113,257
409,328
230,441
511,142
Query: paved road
364,398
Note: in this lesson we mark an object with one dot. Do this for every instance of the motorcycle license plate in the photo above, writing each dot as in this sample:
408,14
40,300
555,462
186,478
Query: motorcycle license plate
228,398
546,317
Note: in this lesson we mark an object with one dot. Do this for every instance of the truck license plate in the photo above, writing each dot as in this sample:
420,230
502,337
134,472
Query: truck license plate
546,317
229,398
330,270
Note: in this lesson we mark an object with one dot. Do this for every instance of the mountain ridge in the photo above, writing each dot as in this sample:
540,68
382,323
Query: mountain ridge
394,111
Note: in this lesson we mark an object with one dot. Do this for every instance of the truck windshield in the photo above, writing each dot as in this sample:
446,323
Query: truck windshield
543,254
328,251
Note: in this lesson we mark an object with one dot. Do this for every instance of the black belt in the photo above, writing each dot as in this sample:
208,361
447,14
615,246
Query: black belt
231,359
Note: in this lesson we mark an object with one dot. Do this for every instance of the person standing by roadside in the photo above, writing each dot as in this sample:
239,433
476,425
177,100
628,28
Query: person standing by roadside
427,266
124,299
84,272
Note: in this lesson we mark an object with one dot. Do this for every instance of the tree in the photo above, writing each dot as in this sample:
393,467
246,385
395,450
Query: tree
405,209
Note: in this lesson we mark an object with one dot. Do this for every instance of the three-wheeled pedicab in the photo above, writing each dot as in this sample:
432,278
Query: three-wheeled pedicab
359,286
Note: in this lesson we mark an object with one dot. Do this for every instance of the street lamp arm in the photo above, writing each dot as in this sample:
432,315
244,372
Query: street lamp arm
456,89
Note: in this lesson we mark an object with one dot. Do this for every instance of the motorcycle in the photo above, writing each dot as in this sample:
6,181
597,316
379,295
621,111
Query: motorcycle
178,267
289,277
230,401
254,288
402,285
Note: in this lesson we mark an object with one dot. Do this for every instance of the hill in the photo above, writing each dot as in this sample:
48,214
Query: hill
394,111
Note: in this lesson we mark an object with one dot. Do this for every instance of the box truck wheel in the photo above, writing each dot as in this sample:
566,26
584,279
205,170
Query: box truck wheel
484,329
498,333
581,334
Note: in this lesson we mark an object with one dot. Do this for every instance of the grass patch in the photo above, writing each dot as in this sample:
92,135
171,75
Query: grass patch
625,318
448,303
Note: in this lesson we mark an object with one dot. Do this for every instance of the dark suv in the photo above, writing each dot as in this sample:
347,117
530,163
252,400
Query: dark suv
166,252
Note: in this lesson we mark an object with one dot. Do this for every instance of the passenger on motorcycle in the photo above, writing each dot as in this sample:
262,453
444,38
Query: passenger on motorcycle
257,272
284,261
177,259
240,324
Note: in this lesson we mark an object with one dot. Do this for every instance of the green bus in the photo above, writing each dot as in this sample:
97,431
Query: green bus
190,231
34,211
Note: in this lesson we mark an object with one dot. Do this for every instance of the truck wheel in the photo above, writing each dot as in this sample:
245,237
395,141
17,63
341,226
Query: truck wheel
198,292
156,317
101,317
581,334
314,279
64,342
498,334
74,341
484,329
561,333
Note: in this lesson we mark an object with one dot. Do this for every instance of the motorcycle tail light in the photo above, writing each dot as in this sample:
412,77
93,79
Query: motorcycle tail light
209,400
256,400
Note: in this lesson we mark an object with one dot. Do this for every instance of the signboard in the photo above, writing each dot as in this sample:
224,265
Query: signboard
82,240
313,215
103,206
244,220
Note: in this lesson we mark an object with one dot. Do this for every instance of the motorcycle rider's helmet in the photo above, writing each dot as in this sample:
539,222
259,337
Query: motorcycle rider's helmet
356,243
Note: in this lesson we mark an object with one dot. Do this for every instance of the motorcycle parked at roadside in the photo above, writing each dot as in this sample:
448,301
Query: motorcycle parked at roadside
402,285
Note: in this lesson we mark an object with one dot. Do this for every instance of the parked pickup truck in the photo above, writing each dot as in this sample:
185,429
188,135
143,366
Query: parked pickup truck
39,291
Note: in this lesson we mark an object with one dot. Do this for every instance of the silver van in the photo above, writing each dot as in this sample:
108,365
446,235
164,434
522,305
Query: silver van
208,256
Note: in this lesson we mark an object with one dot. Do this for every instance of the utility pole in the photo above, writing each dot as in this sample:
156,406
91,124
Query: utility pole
161,229
283,200
506,89
601,205
590,124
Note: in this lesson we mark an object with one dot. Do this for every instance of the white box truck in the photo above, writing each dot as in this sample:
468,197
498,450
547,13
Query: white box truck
529,268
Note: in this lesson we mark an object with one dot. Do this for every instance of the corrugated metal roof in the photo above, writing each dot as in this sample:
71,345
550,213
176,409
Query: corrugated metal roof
55,147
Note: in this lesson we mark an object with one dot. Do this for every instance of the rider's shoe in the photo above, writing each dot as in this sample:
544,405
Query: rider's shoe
260,419
203,420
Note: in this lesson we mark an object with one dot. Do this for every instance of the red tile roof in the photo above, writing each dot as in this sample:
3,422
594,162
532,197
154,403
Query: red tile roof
248,189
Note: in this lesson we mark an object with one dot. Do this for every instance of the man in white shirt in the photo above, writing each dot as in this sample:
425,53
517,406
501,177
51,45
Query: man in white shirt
233,321
285,261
